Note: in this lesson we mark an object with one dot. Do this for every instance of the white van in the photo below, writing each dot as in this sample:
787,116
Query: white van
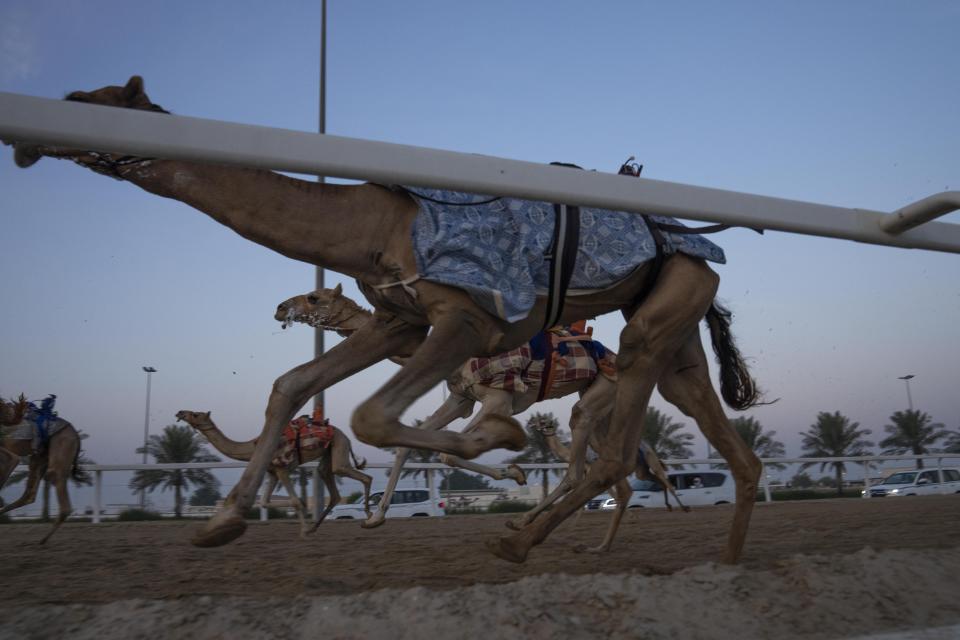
694,488
922,482
406,502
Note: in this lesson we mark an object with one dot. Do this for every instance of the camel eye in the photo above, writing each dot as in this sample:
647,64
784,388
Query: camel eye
313,299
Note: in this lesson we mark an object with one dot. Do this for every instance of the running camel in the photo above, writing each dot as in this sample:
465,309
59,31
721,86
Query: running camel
364,232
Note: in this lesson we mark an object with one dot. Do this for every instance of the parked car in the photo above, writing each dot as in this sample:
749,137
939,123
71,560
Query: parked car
406,502
694,488
922,482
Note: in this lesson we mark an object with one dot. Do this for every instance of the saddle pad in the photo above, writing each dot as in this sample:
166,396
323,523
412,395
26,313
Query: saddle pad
27,429
523,368
312,436
494,248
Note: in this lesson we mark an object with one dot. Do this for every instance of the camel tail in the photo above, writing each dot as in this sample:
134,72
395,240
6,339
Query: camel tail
359,463
738,388
79,475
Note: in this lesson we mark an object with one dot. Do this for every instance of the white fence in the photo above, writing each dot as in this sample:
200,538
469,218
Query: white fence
154,135
869,464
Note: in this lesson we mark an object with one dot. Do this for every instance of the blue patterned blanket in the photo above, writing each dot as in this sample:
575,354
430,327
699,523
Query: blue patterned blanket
494,248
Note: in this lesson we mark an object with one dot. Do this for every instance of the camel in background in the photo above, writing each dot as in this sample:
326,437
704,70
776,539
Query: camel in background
56,460
333,460
363,231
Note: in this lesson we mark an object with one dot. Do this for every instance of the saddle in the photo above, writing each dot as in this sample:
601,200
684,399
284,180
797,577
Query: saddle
303,434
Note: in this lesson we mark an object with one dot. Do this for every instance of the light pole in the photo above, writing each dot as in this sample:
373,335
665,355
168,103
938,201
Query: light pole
907,379
146,431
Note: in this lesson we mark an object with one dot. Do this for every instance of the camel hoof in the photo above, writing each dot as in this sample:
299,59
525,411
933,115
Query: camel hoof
220,534
582,548
686,509
515,472
504,550
373,523
496,432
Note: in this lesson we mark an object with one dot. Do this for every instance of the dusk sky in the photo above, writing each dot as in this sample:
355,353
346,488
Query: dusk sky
852,104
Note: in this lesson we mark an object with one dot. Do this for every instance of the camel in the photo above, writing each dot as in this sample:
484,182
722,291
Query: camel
364,231
330,309
649,467
56,460
334,460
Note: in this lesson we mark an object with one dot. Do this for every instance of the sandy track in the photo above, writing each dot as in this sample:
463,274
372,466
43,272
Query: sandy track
914,554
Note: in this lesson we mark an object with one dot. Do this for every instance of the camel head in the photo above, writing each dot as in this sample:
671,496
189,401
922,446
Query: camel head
545,428
129,96
12,412
322,308
199,420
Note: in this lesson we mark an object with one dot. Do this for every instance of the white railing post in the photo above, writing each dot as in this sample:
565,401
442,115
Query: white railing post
866,479
766,483
97,494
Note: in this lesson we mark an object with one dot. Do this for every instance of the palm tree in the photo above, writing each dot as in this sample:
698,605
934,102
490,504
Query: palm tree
762,442
912,432
538,451
953,444
179,443
662,435
834,436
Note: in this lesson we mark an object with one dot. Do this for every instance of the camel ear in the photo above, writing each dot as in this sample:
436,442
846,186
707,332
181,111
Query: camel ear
134,88
338,290
207,414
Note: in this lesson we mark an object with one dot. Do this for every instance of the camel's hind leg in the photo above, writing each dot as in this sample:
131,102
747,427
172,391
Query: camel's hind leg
64,448
660,473
331,484
340,465
455,406
653,335
8,462
622,492
686,384
284,476
493,402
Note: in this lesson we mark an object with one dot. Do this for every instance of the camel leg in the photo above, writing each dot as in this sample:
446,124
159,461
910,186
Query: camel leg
493,402
340,465
658,471
652,336
331,484
457,334
590,411
622,492
455,406
268,487
284,476
689,388
8,462
38,466
380,338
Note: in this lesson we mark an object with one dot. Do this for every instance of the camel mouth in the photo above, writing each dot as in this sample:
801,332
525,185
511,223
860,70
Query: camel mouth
293,316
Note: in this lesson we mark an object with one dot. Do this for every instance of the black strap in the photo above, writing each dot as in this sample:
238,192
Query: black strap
562,258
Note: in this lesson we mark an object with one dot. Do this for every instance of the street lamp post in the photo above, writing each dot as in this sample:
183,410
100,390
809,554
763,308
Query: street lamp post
907,379
146,431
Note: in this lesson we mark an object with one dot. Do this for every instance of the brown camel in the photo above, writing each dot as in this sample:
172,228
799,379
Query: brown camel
364,232
56,461
330,309
649,467
333,460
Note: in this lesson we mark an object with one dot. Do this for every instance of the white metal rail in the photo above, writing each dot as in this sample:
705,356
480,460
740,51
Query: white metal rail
90,127
867,461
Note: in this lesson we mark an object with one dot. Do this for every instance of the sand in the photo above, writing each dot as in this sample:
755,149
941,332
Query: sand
817,569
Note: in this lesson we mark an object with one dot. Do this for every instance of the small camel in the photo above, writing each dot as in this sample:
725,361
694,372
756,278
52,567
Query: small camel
649,467
330,309
332,460
56,460
365,232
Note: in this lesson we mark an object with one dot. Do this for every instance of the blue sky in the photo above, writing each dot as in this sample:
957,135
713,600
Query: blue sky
851,104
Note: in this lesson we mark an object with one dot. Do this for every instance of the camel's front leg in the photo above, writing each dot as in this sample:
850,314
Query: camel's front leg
493,402
381,337
268,488
38,467
455,406
456,336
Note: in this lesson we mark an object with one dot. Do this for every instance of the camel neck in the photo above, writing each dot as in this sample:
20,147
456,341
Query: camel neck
321,224
226,446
